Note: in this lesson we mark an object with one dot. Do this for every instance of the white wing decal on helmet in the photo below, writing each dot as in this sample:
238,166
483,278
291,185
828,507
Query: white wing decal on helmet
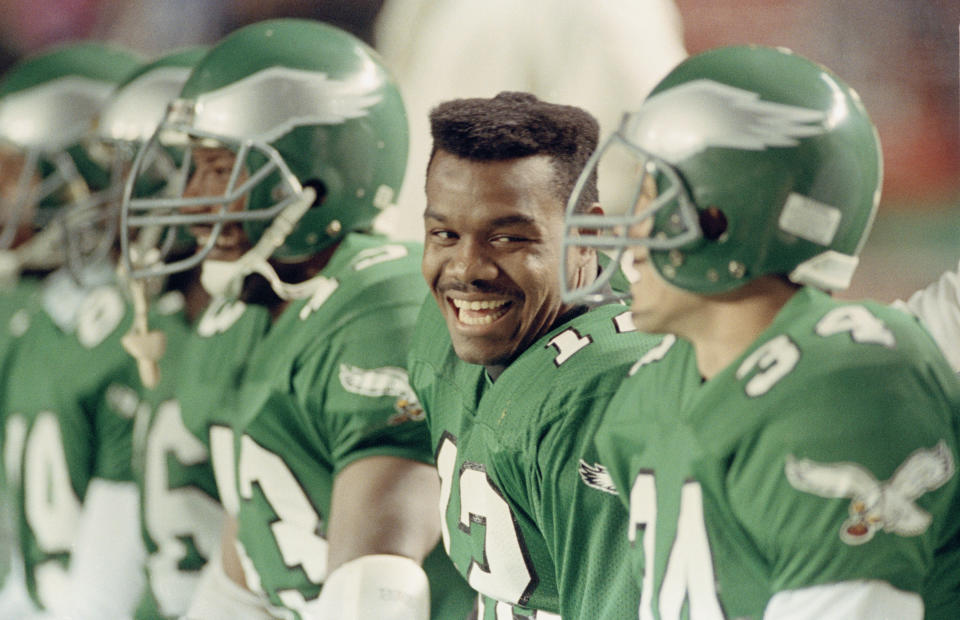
269,103
680,122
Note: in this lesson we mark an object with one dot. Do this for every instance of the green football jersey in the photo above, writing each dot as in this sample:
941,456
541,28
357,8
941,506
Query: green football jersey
17,304
211,371
324,388
181,516
524,495
69,402
826,453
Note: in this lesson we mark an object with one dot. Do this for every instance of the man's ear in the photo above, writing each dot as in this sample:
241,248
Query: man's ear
595,210
585,254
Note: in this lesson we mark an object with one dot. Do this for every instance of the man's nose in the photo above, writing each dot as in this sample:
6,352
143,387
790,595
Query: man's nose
197,187
472,262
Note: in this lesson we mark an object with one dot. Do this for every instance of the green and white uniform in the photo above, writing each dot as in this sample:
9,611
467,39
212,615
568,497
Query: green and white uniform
17,304
69,402
325,388
524,497
180,512
818,466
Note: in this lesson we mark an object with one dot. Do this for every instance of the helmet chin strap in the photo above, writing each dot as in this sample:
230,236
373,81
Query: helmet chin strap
225,278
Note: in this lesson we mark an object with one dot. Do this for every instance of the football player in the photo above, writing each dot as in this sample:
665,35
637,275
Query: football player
67,401
795,455
179,514
296,138
512,378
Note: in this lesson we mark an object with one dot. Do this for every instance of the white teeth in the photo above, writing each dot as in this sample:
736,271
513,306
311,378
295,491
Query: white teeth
480,312
480,320
478,305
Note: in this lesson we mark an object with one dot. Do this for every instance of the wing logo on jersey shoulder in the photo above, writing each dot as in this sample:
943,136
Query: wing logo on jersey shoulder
385,381
877,505
596,476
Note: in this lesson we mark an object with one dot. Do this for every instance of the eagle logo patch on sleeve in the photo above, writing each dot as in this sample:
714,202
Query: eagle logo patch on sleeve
385,381
596,476
877,505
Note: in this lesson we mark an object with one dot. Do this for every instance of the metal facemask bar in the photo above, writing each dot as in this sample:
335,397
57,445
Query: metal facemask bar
64,174
165,211
91,224
609,233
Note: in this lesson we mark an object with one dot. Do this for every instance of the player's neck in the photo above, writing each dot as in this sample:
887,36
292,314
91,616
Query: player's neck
730,323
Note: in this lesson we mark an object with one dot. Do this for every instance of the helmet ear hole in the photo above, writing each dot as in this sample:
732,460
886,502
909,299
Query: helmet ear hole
713,223
321,191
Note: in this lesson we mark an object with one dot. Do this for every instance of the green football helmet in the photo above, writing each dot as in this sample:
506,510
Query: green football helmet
750,161
126,121
48,105
319,132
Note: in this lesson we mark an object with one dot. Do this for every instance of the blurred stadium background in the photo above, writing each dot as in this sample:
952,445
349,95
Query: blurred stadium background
901,55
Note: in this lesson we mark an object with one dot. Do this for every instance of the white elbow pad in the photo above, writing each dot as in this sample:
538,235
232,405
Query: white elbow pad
386,587
217,597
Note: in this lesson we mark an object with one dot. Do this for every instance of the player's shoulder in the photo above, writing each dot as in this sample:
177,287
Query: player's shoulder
367,274
590,344
662,372
102,316
576,367
365,259
231,319
852,337
828,363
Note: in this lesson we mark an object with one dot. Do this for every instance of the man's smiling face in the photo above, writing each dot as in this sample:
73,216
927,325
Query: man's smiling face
492,253
211,176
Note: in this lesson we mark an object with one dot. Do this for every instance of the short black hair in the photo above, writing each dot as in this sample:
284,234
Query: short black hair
513,125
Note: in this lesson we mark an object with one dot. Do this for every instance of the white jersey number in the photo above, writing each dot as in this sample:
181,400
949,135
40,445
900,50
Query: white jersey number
504,572
175,515
689,576
51,506
862,326
298,521
776,358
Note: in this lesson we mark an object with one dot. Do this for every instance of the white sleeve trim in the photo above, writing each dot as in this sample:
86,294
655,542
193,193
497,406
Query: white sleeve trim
846,600
218,597
106,565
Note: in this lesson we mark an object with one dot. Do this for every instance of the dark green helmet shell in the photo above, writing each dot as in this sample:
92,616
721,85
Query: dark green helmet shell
764,162
321,99
778,144
48,104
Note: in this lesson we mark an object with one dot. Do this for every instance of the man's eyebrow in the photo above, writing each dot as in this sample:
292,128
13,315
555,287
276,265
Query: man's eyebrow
507,220
510,220
433,215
